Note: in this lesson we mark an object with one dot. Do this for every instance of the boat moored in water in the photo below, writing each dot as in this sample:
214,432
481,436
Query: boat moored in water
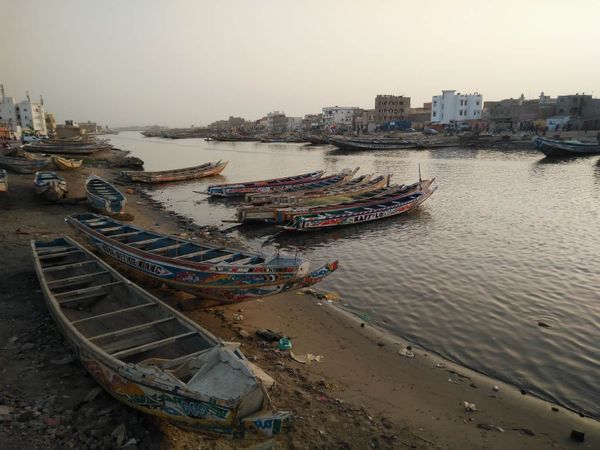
554,148
188,173
50,186
148,355
275,184
220,273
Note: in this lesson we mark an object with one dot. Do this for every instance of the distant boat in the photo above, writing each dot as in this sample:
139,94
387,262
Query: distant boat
50,186
3,180
275,184
211,271
383,207
148,355
66,163
188,173
554,148
103,196
18,161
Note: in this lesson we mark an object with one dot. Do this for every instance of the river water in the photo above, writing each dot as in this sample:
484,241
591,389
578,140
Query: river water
509,240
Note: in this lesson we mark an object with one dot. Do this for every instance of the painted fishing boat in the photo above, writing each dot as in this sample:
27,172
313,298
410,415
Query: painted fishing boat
189,173
358,185
275,184
18,161
3,181
69,146
554,148
148,355
224,274
50,186
387,207
66,163
103,196
297,205
319,185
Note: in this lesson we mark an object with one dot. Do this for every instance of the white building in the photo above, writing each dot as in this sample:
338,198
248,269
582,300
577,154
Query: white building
30,116
456,107
557,123
339,116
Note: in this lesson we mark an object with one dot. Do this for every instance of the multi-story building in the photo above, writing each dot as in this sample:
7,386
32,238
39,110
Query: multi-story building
456,107
420,116
364,121
26,114
339,116
294,124
391,107
277,122
312,122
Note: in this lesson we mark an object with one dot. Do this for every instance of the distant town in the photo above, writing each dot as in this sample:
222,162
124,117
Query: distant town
450,111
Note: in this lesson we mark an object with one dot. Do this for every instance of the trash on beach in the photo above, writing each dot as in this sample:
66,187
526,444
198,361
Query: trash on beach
486,426
495,388
305,359
450,380
365,317
469,407
269,335
329,296
285,344
578,436
440,365
406,352
238,317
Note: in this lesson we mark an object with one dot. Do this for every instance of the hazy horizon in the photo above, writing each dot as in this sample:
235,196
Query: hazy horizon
183,62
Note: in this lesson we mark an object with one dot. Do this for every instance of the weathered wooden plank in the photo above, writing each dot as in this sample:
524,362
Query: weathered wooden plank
146,241
107,229
89,289
55,267
58,254
113,313
79,298
167,248
220,258
132,329
130,233
57,249
66,281
191,255
152,345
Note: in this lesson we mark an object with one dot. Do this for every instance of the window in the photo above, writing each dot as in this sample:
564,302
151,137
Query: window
477,102
434,114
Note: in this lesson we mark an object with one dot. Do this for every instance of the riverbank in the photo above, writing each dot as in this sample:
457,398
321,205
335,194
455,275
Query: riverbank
365,392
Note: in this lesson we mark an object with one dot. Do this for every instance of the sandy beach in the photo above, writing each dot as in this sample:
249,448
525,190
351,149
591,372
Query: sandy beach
367,391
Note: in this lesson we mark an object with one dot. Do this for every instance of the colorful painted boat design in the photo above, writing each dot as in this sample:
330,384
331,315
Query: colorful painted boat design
148,355
50,186
224,274
385,207
189,173
103,196
275,184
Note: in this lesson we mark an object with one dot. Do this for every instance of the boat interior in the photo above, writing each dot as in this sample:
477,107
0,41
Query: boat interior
109,311
167,246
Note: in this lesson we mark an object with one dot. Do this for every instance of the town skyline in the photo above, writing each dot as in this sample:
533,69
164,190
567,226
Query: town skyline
201,62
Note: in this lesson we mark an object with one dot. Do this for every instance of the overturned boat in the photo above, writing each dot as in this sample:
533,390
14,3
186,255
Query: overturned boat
275,184
211,271
148,355
188,173
50,186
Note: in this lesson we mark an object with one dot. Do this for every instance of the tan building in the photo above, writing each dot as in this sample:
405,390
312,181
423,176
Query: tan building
50,124
89,127
391,107
364,121
68,130
420,116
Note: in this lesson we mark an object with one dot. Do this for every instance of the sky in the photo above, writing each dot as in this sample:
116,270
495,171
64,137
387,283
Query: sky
182,63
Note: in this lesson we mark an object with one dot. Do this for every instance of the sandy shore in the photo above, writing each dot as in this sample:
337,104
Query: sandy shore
364,393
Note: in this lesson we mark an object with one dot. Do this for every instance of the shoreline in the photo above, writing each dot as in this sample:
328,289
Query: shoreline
362,392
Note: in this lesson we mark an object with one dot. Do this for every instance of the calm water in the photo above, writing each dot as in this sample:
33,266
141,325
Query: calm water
509,239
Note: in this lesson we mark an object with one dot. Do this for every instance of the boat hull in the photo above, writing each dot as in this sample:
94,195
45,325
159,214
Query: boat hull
564,149
205,170
66,164
274,185
110,201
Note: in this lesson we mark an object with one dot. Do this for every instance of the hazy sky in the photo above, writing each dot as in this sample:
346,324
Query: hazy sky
191,62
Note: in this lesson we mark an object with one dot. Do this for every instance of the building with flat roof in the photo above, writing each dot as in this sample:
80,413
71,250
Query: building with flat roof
455,107
391,107
339,116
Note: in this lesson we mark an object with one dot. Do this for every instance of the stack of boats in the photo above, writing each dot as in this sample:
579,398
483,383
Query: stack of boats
20,161
71,146
387,143
313,201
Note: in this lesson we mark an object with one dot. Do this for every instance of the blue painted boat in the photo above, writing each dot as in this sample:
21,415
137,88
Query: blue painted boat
50,185
148,355
211,271
554,148
103,196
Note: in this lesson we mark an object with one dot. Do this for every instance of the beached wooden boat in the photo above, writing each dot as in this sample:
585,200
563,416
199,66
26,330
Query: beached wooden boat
220,273
554,148
69,146
319,185
15,160
275,184
66,163
276,211
3,181
188,173
384,207
103,196
148,355
50,186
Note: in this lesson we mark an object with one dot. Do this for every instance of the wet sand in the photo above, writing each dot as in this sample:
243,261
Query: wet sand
362,394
